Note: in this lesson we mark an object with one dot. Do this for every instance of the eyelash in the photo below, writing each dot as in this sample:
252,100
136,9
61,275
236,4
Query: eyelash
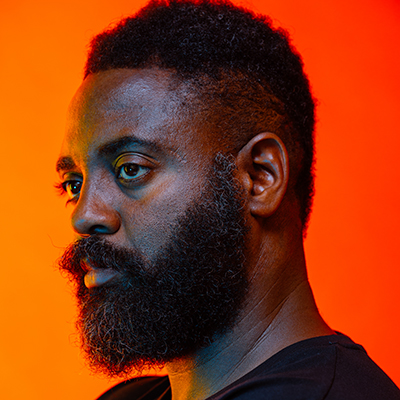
59,186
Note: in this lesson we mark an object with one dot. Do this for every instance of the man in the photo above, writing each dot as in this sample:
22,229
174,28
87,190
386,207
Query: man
188,165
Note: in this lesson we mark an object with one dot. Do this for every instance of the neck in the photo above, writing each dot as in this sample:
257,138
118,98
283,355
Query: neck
273,317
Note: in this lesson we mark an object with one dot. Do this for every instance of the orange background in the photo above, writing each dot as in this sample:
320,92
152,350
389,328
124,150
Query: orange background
351,52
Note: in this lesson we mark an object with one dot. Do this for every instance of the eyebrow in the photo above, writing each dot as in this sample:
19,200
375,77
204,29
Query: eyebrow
123,142
65,164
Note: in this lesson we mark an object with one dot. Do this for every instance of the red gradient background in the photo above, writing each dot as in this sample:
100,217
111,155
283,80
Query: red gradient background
351,52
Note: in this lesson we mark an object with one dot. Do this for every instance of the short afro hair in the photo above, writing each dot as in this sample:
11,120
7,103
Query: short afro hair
255,75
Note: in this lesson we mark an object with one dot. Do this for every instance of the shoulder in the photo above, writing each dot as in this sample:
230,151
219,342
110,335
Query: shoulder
327,367
357,376
146,388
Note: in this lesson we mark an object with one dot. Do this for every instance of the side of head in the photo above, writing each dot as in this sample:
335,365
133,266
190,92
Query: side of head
248,77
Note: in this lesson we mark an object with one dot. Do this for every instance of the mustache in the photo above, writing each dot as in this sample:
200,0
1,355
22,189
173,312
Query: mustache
99,254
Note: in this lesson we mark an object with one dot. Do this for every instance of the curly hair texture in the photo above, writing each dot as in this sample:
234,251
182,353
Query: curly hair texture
246,74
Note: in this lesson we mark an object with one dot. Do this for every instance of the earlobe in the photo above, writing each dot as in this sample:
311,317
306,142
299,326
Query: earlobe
264,166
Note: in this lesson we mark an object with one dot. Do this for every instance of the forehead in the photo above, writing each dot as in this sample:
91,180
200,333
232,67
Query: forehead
148,104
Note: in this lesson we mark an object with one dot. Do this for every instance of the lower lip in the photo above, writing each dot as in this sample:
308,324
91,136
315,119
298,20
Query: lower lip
99,277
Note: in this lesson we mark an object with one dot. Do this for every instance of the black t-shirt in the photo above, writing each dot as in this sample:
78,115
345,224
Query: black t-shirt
323,368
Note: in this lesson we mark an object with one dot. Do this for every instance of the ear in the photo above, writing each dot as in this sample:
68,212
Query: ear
263,164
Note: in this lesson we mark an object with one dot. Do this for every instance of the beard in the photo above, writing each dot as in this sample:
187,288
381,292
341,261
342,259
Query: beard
171,307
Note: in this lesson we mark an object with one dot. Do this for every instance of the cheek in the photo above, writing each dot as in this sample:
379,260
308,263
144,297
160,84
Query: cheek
149,223
151,229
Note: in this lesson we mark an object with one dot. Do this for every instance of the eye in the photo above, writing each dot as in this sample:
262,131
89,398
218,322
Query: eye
133,168
72,188
130,171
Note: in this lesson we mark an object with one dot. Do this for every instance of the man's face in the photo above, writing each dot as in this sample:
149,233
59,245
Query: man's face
159,264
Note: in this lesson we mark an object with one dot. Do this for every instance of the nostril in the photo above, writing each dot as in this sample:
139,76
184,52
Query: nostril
96,229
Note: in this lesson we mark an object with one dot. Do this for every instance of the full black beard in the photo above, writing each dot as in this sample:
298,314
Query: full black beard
163,310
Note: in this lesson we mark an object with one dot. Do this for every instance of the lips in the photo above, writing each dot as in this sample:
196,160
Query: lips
96,277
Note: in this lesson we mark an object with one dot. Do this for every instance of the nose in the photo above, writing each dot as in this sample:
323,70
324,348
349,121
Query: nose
94,213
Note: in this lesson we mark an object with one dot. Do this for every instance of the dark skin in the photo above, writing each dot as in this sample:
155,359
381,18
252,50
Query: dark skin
132,190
